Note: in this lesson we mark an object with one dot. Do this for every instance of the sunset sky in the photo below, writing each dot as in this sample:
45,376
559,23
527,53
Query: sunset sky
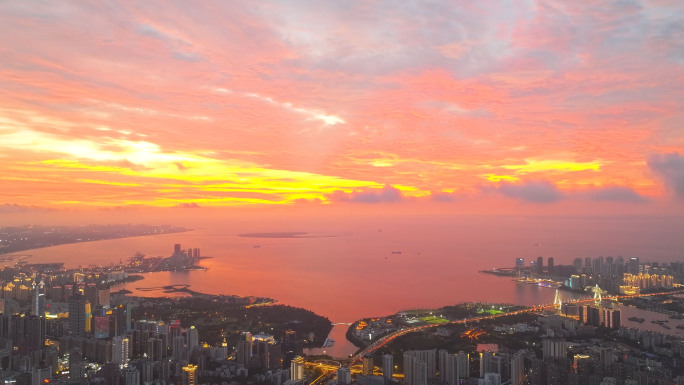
465,106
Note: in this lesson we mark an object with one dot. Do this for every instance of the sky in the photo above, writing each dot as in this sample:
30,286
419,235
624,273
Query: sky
484,107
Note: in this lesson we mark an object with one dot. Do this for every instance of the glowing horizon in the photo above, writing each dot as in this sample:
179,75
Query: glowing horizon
214,104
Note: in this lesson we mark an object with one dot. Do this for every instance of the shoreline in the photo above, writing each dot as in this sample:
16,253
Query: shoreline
22,252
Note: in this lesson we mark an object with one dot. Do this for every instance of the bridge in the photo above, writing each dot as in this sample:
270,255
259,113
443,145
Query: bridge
388,338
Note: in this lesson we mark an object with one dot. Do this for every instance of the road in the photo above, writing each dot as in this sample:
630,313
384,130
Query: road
388,338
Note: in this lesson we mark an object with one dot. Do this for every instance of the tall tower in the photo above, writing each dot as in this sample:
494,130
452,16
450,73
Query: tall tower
557,301
597,295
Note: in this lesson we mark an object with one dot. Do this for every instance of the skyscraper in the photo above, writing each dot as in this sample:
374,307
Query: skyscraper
419,366
387,366
77,315
343,376
367,364
193,337
297,368
540,265
120,350
244,348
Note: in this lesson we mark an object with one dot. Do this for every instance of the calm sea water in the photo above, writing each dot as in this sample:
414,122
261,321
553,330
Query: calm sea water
354,269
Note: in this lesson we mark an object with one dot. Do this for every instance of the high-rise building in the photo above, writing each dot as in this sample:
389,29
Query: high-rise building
244,348
554,348
178,347
550,263
493,362
292,346
343,376
367,364
41,375
518,367
577,264
611,318
387,366
633,265
456,368
38,300
189,374
77,315
35,332
419,366
120,350
519,263
193,337
540,265
131,376
76,365
297,368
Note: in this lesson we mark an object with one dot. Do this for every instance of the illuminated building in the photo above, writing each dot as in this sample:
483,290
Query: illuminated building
88,317
193,337
189,377
493,362
120,350
611,318
266,353
292,346
367,364
101,326
297,368
633,265
244,348
635,282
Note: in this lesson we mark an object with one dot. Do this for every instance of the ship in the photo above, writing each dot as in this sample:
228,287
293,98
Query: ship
636,319
396,252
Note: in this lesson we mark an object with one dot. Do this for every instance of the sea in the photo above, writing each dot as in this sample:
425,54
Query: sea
349,269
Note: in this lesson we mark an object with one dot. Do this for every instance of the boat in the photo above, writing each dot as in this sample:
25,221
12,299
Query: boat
396,252
636,319
328,342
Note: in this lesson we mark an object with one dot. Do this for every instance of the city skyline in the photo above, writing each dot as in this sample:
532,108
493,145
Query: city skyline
530,107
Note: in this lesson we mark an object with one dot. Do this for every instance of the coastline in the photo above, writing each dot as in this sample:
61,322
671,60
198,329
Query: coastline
21,252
